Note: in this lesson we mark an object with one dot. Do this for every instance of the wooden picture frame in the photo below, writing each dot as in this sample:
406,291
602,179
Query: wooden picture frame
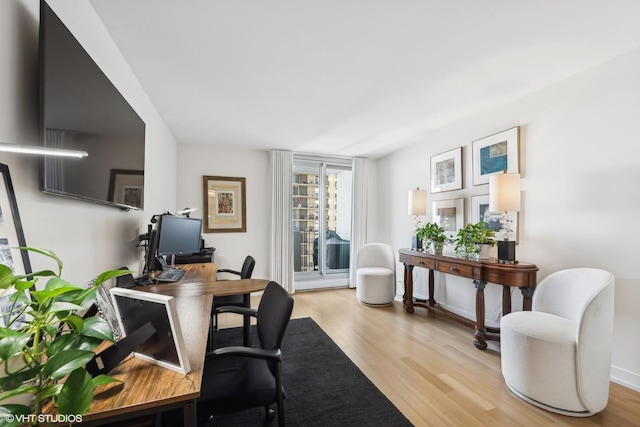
11,238
126,187
480,212
449,214
446,171
495,154
224,203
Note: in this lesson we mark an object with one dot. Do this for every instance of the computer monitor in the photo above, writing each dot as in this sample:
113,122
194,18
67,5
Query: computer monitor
135,310
178,235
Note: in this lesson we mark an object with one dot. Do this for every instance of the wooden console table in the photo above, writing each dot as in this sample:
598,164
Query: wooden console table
522,275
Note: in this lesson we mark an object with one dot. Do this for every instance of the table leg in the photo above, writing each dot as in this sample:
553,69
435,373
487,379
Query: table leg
480,334
432,300
527,294
506,300
190,413
407,298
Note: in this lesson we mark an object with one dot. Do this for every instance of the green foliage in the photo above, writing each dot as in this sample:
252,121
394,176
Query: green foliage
472,235
44,331
433,232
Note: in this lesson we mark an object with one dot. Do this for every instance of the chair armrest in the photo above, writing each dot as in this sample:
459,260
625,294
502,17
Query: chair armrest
245,311
237,350
226,270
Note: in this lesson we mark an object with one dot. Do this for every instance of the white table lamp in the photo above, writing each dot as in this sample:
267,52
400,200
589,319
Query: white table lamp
417,207
504,196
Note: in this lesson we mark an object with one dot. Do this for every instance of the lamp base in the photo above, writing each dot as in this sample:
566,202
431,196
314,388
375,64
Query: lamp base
507,251
416,243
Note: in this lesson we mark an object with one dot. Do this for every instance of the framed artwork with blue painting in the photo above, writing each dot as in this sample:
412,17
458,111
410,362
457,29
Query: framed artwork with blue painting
495,154
480,212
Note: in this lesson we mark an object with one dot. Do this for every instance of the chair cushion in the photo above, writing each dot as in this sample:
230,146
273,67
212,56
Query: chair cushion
538,357
234,383
375,285
234,300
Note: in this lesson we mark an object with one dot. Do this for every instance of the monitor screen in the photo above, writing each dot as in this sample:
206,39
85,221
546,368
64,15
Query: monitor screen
178,235
166,347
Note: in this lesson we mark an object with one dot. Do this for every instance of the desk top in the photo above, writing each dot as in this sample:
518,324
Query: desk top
147,386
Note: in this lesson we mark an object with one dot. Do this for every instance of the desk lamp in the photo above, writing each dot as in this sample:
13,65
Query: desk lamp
504,196
417,207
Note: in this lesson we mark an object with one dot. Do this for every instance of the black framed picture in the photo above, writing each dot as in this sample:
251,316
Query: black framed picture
11,232
11,237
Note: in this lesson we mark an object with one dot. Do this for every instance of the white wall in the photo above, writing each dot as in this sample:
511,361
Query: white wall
89,238
580,198
196,161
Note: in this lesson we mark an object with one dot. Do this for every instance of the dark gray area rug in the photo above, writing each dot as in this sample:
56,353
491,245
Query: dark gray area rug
323,386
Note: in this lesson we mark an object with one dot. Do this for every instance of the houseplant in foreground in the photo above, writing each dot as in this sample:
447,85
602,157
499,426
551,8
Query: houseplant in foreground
44,331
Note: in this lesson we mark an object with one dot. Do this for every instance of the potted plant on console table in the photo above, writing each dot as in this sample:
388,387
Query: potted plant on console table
45,343
474,241
434,235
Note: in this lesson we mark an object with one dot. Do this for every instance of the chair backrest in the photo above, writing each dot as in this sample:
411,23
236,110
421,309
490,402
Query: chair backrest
247,267
567,293
274,312
376,255
586,296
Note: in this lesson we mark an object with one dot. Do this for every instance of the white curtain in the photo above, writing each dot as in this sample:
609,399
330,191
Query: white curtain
281,268
55,173
360,168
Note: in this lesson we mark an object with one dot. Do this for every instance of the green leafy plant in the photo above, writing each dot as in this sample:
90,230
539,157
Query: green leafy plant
434,234
472,235
44,331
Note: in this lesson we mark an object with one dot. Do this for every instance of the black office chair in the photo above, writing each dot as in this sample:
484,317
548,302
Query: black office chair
240,300
240,377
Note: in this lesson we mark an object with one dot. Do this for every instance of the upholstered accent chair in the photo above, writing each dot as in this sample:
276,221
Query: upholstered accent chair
376,274
558,356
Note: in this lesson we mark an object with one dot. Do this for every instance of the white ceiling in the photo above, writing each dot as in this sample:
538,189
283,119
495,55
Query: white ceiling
353,77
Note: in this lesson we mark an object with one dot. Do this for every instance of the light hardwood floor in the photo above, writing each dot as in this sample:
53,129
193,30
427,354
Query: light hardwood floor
430,369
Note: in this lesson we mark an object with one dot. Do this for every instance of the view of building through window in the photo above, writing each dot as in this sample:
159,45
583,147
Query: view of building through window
321,218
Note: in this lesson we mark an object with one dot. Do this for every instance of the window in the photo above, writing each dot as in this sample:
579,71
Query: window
321,218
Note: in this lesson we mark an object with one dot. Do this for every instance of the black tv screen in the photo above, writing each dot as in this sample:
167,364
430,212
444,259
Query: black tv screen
80,109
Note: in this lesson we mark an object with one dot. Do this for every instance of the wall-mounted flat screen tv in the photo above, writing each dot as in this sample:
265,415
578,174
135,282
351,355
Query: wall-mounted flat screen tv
80,109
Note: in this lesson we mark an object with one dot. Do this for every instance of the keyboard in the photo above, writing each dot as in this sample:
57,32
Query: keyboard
171,274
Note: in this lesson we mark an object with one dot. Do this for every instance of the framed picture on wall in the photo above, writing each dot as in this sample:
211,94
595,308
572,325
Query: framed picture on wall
480,212
446,171
224,204
449,214
127,187
11,239
495,154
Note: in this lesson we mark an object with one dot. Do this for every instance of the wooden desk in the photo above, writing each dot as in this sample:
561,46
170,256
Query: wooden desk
522,275
148,388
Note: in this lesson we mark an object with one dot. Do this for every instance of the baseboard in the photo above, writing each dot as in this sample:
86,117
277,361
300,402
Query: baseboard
625,378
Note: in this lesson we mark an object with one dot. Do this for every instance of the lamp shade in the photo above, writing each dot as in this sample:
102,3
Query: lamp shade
417,202
504,192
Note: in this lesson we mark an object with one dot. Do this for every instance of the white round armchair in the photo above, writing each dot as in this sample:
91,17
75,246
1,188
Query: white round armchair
558,356
376,274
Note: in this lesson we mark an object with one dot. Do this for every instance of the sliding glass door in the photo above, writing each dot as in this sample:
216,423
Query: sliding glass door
322,192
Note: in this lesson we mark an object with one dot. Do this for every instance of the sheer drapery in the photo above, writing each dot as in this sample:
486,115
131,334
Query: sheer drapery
281,268
55,174
360,168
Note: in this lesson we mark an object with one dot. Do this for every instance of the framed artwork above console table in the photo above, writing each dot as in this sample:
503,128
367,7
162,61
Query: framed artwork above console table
522,275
